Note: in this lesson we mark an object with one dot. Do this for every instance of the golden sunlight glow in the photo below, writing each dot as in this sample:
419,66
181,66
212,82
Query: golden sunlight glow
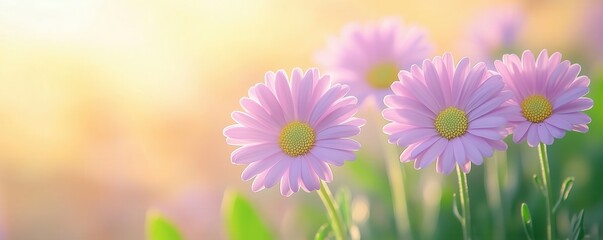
119,104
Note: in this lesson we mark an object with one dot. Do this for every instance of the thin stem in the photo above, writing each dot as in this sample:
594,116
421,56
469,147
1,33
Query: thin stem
395,174
546,179
494,192
464,196
332,210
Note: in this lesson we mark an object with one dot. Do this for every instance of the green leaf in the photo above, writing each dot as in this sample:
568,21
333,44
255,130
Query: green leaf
242,220
323,232
344,199
578,226
526,220
566,188
538,182
160,228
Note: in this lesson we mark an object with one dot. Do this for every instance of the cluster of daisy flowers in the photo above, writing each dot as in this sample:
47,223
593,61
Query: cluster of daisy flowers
454,114
460,114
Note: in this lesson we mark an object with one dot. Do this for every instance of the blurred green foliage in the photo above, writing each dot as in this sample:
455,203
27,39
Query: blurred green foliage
242,220
160,228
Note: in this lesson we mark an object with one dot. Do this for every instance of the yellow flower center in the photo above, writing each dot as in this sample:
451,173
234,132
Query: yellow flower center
451,123
382,75
536,108
297,138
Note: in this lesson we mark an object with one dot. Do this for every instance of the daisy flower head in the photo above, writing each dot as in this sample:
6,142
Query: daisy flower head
548,96
448,114
368,57
291,130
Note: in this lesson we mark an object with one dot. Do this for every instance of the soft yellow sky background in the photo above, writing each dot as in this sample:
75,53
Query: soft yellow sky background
110,107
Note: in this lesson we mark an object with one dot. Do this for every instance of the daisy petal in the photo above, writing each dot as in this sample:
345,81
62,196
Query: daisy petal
404,138
482,146
253,153
340,144
258,167
276,172
432,153
283,94
423,146
533,139
472,153
544,134
559,122
258,182
488,122
405,156
555,131
486,133
338,131
333,156
581,104
570,95
285,188
446,159
521,131
321,168
459,153
310,180
295,174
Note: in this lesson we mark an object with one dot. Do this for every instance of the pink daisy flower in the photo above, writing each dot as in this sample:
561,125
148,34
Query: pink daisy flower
292,130
548,95
448,114
369,57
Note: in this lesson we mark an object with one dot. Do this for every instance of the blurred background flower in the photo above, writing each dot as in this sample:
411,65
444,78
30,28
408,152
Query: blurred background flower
591,32
368,57
109,108
493,32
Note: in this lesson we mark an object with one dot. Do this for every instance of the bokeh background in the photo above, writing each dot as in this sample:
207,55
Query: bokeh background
109,108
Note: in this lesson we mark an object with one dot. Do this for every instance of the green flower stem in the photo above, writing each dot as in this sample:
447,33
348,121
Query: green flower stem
332,209
493,187
464,195
546,179
395,174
